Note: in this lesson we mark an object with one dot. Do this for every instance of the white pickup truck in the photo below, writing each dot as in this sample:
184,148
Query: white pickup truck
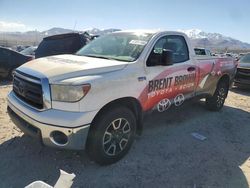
95,99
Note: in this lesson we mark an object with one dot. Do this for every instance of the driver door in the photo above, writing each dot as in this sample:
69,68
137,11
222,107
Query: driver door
169,85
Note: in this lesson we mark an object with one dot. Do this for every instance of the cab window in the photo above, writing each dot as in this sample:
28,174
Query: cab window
174,43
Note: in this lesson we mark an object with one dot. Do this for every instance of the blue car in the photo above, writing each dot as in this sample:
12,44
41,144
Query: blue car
10,60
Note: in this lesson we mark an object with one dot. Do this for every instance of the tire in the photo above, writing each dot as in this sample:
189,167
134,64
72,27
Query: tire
111,135
216,102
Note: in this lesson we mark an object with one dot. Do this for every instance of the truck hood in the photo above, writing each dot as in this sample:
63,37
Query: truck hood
61,67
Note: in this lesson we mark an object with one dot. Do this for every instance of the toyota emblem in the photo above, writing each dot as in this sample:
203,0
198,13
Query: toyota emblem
21,88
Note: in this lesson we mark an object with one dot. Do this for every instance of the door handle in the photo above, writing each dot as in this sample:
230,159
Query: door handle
142,78
190,69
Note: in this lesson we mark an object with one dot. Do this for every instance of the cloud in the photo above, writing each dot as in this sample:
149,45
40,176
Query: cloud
12,26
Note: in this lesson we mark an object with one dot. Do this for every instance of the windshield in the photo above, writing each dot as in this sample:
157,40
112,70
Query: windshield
117,46
245,59
28,51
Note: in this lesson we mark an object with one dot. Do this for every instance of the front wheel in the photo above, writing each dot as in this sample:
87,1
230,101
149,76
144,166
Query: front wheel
216,102
111,135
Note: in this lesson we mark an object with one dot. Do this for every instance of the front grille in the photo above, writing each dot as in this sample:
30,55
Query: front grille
243,74
27,90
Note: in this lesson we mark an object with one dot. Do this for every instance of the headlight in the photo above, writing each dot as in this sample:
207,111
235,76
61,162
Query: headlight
69,93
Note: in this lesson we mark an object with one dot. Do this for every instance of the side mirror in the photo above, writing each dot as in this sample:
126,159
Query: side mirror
167,57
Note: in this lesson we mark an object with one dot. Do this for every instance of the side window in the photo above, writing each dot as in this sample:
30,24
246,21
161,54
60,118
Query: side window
200,51
155,56
177,44
174,43
159,46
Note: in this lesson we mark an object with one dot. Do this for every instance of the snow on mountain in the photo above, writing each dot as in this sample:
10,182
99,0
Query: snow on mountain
213,40
97,31
56,31
199,34
193,33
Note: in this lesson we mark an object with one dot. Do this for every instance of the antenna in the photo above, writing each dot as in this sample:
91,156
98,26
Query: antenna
75,25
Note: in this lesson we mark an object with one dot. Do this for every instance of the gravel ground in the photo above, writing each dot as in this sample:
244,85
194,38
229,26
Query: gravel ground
166,155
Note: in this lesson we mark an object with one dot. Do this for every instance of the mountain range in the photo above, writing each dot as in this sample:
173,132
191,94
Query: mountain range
214,40
198,37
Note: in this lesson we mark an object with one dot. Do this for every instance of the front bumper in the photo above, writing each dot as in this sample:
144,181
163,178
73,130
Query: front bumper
242,77
241,82
76,135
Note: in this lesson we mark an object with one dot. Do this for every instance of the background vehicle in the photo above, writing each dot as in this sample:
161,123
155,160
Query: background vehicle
10,60
68,43
202,51
29,51
96,98
21,47
242,77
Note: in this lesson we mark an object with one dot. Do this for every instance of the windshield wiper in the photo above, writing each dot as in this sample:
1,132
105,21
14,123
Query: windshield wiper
109,58
122,60
101,57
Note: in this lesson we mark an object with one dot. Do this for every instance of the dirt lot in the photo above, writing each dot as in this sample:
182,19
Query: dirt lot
166,155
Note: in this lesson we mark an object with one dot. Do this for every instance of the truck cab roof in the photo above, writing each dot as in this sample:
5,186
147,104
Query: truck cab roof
156,31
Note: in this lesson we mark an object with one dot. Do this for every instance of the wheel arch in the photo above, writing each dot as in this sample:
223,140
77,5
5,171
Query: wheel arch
225,78
129,102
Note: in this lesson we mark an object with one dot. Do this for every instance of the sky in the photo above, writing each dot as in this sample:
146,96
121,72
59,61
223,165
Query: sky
228,17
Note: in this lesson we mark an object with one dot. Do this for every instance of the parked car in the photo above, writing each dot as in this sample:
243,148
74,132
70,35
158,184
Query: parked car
68,43
21,47
96,98
242,77
241,55
10,60
202,51
29,51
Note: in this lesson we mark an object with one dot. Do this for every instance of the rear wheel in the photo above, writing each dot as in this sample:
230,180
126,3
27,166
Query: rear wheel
111,135
216,102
